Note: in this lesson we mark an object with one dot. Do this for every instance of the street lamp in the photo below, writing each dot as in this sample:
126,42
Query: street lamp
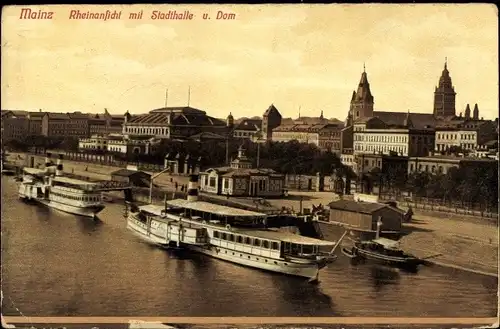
151,182
257,138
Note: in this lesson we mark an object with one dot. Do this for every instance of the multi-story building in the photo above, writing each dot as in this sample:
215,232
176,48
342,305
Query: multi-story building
54,124
173,122
441,164
15,125
327,136
35,126
487,150
270,120
372,135
77,125
94,143
465,133
105,123
247,128
117,143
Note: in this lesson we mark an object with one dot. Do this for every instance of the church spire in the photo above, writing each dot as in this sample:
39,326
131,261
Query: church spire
407,122
467,112
475,113
444,95
362,98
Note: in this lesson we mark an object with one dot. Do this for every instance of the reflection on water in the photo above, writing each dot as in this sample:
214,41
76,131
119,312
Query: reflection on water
383,276
60,264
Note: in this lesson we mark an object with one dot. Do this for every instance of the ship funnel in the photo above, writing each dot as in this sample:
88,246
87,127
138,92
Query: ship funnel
59,168
379,226
192,190
47,160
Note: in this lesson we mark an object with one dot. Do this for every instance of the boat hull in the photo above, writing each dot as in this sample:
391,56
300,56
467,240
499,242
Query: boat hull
90,212
404,263
309,271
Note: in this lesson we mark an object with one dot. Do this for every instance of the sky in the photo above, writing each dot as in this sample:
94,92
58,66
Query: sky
307,57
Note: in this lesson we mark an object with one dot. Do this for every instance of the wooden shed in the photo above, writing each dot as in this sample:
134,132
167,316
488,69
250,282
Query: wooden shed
363,216
132,177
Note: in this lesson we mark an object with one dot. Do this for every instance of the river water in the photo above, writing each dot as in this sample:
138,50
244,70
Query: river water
55,264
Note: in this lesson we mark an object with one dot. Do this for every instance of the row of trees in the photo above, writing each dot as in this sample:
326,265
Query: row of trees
288,158
43,143
474,186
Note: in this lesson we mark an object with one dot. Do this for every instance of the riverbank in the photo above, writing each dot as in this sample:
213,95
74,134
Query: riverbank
463,242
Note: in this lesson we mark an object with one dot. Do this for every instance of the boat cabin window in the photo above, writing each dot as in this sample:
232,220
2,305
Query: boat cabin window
231,237
306,249
248,240
216,234
239,239
275,246
224,236
299,249
265,244
256,242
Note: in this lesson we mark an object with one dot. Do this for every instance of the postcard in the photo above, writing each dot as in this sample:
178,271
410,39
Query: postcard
249,166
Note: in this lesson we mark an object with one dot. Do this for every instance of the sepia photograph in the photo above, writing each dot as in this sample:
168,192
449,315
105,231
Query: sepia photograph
249,166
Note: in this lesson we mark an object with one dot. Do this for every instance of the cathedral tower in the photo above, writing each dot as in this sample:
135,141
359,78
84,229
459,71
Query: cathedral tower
362,100
444,95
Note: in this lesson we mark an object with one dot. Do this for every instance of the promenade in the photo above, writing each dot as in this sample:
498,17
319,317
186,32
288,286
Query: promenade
464,242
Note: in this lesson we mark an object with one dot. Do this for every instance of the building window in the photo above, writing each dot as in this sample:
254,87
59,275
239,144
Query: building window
226,183
212,182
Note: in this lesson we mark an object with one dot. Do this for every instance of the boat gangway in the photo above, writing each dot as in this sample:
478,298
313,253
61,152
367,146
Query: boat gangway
111,185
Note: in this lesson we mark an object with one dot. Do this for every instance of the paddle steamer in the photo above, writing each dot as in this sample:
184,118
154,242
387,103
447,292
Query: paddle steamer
51,188
230,234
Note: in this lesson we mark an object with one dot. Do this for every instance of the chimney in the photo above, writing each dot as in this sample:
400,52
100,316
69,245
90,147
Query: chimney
59,168
192,190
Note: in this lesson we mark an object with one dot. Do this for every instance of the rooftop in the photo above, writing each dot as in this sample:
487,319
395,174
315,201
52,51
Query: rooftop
303,127
249,124
127,172
206,207
180,116
283,236
73,181
232,172
357,206
418,120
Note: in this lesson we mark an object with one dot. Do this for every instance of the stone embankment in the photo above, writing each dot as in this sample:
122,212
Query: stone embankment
460,241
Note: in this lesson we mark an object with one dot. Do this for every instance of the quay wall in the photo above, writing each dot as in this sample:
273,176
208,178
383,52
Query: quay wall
472,252
468,248
95,171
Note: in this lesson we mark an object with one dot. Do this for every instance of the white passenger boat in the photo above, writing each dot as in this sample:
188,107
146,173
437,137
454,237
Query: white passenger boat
230,234
51,188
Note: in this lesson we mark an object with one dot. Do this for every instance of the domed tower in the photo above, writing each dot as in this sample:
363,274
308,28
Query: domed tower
362,99
444,95
230,120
